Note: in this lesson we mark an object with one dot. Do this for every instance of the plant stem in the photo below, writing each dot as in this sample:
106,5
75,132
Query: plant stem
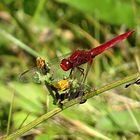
19,43
67,105
32,124
39,9
10,114
23,27
21,24
103,89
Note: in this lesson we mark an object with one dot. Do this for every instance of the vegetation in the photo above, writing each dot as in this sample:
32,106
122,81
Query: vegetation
51,29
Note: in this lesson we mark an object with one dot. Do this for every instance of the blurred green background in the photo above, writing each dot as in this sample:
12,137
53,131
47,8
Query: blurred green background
53,28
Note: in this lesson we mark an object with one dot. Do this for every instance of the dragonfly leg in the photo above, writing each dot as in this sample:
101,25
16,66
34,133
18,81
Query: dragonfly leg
81,93
81,70
71,71
87,70
79,74
73,93
74,73
70,94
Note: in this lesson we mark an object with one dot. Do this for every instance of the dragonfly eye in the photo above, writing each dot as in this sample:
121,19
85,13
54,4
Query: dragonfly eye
66,64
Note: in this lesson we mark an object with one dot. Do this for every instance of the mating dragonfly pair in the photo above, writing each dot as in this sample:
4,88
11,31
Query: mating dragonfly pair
70,87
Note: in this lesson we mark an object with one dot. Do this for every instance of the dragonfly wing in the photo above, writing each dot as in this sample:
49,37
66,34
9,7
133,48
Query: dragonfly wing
32,75
57,72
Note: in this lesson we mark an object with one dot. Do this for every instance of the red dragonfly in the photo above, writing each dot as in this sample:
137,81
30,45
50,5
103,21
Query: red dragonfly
79,57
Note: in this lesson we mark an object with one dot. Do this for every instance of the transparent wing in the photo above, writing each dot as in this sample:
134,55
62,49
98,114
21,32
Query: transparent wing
56,70
36,74
33,75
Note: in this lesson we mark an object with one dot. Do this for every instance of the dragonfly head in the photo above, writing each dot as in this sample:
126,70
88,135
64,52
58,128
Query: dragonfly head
66,64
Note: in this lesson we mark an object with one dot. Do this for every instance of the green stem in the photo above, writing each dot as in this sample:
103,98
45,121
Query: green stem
10,115
23,27
39,9
19,43
67,105
32,124
103,89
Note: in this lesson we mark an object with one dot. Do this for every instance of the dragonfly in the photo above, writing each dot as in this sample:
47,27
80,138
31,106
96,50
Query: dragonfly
79,57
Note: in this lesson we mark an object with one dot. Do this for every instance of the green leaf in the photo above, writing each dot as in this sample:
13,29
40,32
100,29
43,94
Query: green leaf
118,121
113,12
29,97
5,93
8,1
30,6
